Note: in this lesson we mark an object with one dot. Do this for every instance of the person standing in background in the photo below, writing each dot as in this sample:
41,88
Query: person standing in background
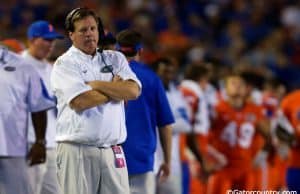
91,86
143,115
41,36
166,70
194,144
236,125
22,92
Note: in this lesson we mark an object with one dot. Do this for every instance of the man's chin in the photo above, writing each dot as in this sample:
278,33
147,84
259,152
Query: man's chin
90,50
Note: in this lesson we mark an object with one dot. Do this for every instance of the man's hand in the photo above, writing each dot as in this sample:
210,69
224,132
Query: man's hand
93,84
117,78
204,173
37,154
164,172
259,158
208,168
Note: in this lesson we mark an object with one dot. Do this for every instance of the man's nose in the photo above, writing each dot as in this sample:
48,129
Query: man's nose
88,32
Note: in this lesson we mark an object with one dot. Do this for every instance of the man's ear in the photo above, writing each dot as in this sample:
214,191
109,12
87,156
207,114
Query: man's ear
31,40
71,36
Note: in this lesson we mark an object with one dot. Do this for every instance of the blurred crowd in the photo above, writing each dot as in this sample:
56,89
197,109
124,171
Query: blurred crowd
262,36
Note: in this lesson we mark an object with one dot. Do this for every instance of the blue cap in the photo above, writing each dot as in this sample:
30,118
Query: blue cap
42,29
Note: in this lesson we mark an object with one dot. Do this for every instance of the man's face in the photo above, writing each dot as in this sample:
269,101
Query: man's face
235,87
167,72
40,47
85,36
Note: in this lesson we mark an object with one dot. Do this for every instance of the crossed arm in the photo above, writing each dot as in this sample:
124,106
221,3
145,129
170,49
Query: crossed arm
104,91
88,100
117,89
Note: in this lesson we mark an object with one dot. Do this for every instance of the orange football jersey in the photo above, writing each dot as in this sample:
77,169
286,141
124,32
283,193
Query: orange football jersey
234,131
290,106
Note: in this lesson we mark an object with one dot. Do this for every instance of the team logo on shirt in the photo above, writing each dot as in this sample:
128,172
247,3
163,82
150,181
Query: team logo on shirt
107,69
10,68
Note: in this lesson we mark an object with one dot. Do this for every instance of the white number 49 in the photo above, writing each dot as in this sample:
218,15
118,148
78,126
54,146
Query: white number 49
238,135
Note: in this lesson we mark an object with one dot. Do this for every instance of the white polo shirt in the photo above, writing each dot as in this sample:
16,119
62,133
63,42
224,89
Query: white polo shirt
22,91
100,126
44,69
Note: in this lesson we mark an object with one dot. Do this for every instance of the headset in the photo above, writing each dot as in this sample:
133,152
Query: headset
69,25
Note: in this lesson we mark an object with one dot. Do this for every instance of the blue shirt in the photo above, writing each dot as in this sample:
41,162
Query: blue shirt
143,115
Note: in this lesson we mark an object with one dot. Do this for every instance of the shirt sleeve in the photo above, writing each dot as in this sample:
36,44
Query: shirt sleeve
66,81
124,71
38,97
164,114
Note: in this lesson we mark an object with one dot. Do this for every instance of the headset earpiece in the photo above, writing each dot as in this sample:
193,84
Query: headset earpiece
68,23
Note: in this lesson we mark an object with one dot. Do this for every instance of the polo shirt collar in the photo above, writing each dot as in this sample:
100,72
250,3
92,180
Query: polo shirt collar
82,54
41,64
